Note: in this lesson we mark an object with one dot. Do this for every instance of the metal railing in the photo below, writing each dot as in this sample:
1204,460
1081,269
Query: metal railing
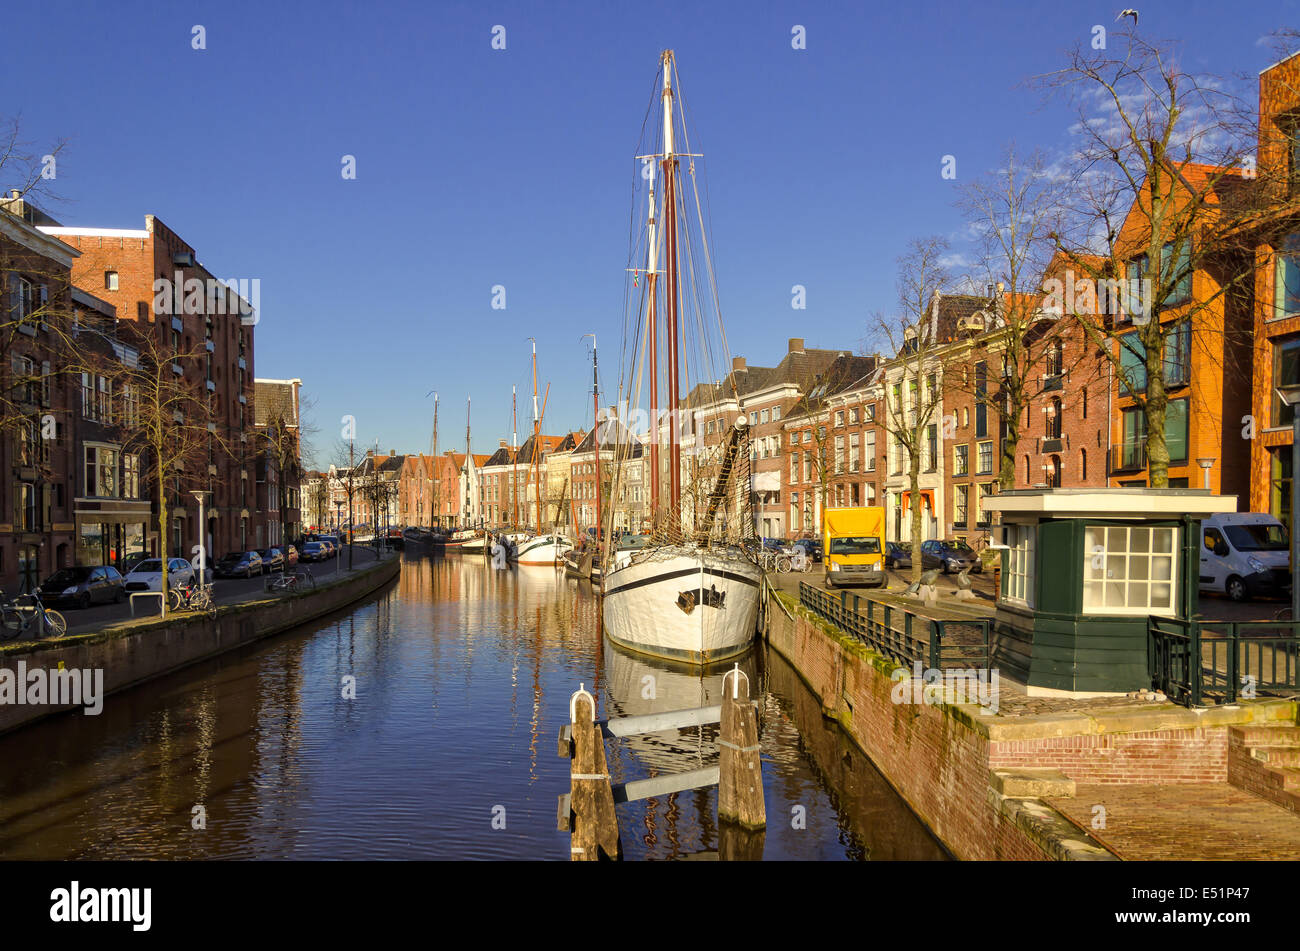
1192,659
900,634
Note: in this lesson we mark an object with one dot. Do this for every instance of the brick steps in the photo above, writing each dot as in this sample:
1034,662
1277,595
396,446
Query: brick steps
1265,760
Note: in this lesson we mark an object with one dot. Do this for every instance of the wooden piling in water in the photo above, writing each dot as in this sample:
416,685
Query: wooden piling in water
591,798
740,773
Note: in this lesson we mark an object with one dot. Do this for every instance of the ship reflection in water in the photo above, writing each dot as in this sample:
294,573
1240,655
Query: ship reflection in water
462,681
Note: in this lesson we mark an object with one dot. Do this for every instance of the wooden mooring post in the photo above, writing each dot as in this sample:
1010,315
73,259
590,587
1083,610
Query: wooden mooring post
740,771
587,810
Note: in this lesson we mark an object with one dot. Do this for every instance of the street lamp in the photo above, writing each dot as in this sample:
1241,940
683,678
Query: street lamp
202,494
1290,396
1206,463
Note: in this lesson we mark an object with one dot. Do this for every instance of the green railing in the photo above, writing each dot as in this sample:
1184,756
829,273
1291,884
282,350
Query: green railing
1190,660
898,633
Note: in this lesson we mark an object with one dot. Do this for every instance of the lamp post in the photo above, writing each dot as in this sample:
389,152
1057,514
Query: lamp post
202,494
1206,463
1290,396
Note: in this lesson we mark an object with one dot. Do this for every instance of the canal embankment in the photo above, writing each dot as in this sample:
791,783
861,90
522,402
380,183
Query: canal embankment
1031,782
131,652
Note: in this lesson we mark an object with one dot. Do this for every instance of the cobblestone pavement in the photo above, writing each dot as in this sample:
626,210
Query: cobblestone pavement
1197,821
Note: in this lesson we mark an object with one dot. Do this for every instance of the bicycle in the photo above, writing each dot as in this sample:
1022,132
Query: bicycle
774,561
298,581
192,597
24,613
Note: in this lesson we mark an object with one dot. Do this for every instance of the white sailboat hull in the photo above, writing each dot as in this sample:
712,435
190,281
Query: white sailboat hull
686,604
543,550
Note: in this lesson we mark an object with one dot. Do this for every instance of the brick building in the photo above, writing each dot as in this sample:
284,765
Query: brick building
207,327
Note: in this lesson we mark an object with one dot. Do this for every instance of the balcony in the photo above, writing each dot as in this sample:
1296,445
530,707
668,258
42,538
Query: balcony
1132,457
1054,381
1052,445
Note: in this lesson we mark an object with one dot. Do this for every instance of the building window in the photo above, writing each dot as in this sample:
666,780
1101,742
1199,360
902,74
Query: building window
1083,465
110,280
776,413
1054,418
1020,564
1054,472
1286,372
1286,283
960,499
985,460
960,460
986,491
853,416
794,467
762,417
1055,359
1177,274
1129,569
854,450
931,447
869,451
839,419
839,454
981,409
1177,359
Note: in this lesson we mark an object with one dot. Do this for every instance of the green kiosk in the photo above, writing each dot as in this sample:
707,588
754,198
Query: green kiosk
1082,569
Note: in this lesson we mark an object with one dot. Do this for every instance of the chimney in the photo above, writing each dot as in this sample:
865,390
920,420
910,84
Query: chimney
796,345
503,444
392,452
737,364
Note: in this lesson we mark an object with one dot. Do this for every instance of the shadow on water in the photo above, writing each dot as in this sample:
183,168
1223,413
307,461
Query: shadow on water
421,724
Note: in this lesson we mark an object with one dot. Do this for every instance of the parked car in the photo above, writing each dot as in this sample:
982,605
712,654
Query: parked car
898,555
1244,555
812,548
272,559
950,556
147,576
239,564
129,561
334,543
314,551
83,586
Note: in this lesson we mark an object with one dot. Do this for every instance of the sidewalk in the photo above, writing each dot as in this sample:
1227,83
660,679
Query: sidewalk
225,590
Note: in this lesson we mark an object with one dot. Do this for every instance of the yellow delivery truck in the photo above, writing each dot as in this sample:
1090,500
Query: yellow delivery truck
853,545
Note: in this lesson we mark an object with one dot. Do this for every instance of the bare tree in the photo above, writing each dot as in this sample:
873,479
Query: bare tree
164,419
919,348
280,437
1157,188
1015,214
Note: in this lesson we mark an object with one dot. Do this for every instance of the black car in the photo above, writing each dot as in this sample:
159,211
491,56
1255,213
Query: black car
313,551
950,556
898,555
83,586
239,564
272,559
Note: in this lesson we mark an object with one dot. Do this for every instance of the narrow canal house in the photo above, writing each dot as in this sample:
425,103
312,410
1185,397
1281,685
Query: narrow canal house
193,312
1206,317
36,527
277,430
1276,318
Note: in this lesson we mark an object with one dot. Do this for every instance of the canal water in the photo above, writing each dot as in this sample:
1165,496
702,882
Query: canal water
447,750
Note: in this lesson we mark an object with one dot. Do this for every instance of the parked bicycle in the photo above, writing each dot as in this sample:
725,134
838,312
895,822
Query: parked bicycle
192,597
774,560
26,616
285,583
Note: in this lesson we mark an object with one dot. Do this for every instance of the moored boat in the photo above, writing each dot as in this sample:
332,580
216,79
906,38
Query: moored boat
692,593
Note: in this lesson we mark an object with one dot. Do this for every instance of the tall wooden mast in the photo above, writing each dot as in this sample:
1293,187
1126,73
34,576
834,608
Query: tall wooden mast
537,436
514,453
670,265
652,266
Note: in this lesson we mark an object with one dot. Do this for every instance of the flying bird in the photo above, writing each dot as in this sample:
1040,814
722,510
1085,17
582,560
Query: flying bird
1128,13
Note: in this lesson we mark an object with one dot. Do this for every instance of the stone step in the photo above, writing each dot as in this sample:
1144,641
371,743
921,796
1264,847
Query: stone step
1285,734
1280,756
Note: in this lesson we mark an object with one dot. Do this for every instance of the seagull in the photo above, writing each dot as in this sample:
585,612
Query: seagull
1128,13
963,579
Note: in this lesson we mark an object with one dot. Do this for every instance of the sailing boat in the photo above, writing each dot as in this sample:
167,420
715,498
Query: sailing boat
692,593
542,549
417,538
468,540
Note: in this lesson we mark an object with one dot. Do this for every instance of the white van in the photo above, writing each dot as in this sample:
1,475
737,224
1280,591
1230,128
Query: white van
1244,554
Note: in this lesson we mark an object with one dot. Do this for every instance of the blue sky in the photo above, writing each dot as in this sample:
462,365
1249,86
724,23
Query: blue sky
478,167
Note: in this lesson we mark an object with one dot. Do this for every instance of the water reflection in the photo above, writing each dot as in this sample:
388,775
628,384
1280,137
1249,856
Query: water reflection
462,676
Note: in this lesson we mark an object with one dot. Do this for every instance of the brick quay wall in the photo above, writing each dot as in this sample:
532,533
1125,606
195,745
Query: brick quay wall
969,775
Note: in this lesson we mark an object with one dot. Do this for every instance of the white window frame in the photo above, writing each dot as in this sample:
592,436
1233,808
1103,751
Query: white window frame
1020,542
1135,555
